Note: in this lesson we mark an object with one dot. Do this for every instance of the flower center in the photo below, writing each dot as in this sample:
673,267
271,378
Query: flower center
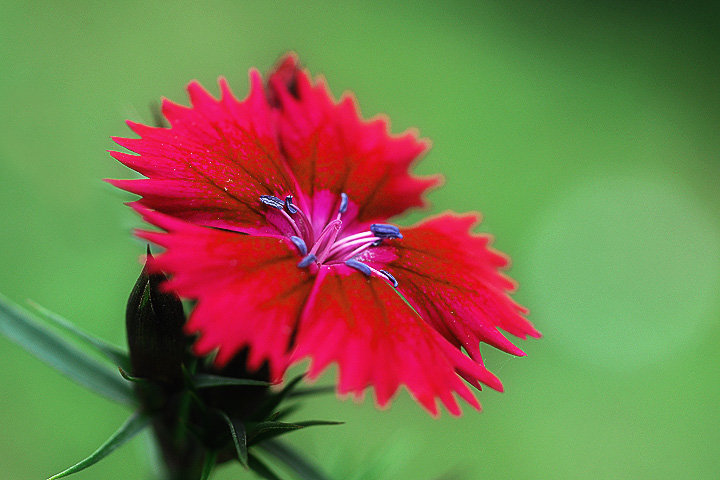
330,247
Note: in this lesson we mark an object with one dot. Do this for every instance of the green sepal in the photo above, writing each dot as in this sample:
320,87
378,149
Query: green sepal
257,466
206,380
49,346
128,430
113,353
239,438
186,400
282,452
208,464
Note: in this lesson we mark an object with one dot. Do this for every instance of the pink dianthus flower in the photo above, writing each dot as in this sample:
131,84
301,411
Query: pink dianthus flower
274,214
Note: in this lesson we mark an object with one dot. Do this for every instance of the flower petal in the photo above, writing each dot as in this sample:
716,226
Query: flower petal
214,162
452,278
249,290
378,340
331,148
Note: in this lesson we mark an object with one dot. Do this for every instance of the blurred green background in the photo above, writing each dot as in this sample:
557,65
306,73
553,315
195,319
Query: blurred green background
588,134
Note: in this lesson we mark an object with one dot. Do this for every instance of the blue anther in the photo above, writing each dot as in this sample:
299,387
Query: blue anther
383,230
390,277
343,203
307,261
359,266
272,201
288,204
300,244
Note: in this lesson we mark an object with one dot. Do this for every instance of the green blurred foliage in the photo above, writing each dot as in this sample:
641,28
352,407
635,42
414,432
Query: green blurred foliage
586,132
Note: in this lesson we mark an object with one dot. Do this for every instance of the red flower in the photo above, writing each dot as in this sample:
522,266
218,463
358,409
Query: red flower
300,262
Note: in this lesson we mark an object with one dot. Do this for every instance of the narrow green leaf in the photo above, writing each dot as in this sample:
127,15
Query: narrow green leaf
314,423
47,345
208,464
285,412
264,431
263,427
257,466
128,430
239,436
113,353
304,469
206,380
292,384
314,390
269,405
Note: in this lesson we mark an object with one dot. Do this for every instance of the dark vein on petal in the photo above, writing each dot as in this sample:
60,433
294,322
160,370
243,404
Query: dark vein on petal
450,283
229,151
378,304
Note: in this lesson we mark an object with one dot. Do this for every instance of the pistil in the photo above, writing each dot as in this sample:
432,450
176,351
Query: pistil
327,249
327,239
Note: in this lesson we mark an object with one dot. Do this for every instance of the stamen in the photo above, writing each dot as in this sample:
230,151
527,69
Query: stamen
345,246
343,203
357,251
366,235
383,230
300,244
389,276
289,205
307,261
359,266
272,201
328,249
275,202
301,220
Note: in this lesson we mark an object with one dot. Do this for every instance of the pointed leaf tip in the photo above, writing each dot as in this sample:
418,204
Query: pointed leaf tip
208,464
239,438
130,378
134,425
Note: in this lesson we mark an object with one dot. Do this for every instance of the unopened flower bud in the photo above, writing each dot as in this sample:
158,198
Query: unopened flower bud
154,322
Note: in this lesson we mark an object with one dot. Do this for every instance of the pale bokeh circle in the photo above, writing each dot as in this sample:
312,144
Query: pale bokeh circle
623,271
